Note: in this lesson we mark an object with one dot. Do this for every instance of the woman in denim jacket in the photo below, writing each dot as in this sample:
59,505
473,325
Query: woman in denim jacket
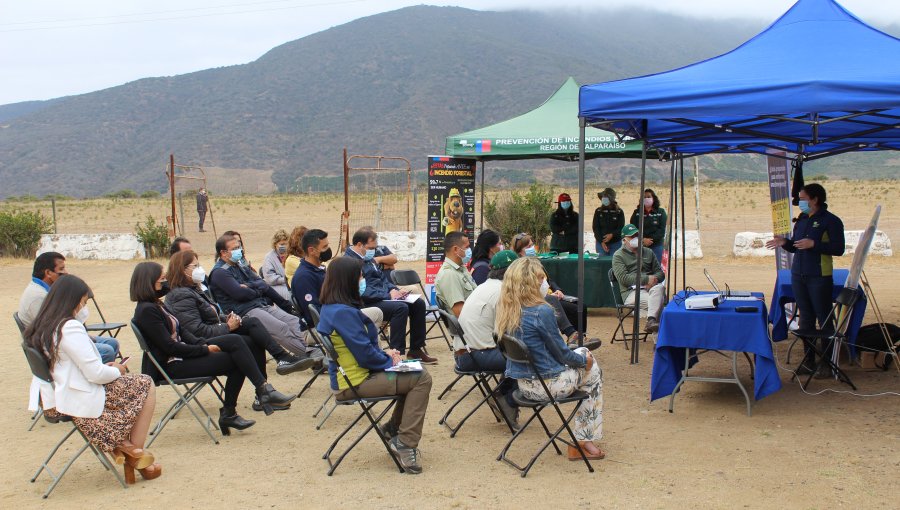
523,313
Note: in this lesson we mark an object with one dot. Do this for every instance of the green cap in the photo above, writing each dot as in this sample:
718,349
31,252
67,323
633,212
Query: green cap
629,230
503,259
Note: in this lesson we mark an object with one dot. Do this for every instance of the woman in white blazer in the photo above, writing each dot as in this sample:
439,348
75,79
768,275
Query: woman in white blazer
113,409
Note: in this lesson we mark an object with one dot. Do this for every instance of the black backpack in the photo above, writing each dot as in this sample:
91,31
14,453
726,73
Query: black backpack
871,339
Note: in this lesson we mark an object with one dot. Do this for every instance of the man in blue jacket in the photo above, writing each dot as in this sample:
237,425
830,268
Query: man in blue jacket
384,295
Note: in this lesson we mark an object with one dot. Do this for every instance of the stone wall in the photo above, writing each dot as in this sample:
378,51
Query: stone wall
93,246
753,244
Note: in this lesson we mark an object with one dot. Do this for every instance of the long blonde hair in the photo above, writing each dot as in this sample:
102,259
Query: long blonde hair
521,288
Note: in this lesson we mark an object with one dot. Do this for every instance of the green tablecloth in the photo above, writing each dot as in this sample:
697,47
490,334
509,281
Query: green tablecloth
597,293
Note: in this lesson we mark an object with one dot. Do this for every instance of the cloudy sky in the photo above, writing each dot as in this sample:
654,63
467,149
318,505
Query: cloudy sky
52,48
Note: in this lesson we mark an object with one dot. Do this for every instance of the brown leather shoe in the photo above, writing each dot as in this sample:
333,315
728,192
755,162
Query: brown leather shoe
421,355
573,454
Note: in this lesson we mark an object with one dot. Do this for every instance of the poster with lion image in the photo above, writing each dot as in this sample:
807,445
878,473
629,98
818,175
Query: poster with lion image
451,207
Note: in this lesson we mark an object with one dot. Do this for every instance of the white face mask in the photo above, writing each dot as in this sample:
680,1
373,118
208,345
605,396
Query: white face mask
633,242
198,274
648,202
545,287
83,314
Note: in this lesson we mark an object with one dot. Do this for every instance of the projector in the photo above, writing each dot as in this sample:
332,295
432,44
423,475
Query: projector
702,302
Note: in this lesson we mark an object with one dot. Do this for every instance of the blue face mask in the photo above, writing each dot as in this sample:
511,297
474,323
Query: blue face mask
804,206
565,205
531,252
604,201
467,257
236,255
370,254
362,286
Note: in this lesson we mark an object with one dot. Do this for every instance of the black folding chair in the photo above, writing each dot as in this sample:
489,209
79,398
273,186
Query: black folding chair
319,371
190,389
41,369
104,328
514,350
483,380
623,312
831,339
40,410
406,277
365,404
314,316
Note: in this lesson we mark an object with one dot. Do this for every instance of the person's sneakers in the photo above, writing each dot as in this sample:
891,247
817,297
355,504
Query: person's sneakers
258,407
590,343
422,356
290,363
824,372
388,431
652,325
408,457
511,413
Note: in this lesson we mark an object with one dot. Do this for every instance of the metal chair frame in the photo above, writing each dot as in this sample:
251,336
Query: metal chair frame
841,312
314,316
40,410
104,327
623,312
407,277
515,350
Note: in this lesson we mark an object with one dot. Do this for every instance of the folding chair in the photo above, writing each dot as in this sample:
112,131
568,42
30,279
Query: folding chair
104,328
623,312
365,404
840,313
314,317
515,350
40,410
190,388
41,369
405,277
482,380
320,370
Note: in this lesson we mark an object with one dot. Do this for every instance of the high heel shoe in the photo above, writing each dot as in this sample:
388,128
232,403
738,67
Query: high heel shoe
150,472
138,456
230,419
269,397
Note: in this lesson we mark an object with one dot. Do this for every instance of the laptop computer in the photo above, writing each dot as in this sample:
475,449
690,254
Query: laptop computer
728,292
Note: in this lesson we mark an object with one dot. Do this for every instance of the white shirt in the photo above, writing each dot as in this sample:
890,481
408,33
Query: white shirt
477,316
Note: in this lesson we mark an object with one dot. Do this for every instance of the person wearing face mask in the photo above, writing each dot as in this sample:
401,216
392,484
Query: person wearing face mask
202,207
273,265
453,283
238,289
608,222
113,409
487,245
245,260
624,265
390,299
654,222
49,267
564,226
201,320
818,237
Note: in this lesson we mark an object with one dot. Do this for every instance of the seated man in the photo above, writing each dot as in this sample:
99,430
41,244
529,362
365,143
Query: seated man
48,267
453,283
237,288
624,266
179,244
383,294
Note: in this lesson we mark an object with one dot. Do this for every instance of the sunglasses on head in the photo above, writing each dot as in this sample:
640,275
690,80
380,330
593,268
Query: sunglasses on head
520,236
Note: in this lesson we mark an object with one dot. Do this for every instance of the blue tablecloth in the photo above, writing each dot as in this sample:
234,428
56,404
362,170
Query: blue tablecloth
784,294
722,329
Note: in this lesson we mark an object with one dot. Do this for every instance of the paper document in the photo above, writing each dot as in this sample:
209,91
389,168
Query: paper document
406,366
410,298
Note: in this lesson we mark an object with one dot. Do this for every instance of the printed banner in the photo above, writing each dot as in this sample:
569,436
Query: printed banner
451,208
780,198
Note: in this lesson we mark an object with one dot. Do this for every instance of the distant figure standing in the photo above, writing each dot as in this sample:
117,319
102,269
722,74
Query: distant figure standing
202,200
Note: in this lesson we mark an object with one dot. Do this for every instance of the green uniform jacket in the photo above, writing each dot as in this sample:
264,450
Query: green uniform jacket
624,266
609,220
565,232
654,224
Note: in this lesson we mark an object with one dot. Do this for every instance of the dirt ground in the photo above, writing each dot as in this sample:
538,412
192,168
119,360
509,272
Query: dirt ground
798,450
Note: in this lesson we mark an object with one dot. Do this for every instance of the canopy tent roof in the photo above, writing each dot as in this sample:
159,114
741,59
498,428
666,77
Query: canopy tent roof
549,131
817,82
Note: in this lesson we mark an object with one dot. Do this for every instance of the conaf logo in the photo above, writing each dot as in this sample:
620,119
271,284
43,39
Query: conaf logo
465,143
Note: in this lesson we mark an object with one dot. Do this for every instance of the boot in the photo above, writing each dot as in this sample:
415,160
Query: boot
230,419
269,396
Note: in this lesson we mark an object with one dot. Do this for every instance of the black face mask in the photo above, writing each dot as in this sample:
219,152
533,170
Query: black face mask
163,291
325,256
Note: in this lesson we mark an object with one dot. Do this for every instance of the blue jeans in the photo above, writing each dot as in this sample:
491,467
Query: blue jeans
658,251
489,360
107,347
613,247
813,295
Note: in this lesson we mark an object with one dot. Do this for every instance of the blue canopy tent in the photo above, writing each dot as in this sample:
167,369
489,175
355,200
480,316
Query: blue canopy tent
815,83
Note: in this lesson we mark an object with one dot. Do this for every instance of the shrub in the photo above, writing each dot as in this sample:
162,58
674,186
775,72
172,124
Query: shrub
150,194
155,237
20,232
522,212
125,193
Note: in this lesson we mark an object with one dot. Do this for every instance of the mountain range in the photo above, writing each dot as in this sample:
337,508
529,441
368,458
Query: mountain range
395,83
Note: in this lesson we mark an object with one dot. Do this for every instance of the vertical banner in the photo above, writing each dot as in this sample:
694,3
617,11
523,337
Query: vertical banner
451,208
780,198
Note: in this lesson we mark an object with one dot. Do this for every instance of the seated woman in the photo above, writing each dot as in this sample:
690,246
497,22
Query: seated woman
113,409
295,253
355,339
273,265
200,319
226,355
486,246
523,313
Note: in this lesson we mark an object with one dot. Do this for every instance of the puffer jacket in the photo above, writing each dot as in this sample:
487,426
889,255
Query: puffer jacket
198,317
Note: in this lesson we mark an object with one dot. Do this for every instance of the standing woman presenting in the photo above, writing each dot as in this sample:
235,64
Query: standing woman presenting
564,226
654,223
818,237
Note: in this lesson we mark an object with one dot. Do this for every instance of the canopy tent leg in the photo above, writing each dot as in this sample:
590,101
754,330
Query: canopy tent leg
581,142
672,227
636,324
481,209
683,227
